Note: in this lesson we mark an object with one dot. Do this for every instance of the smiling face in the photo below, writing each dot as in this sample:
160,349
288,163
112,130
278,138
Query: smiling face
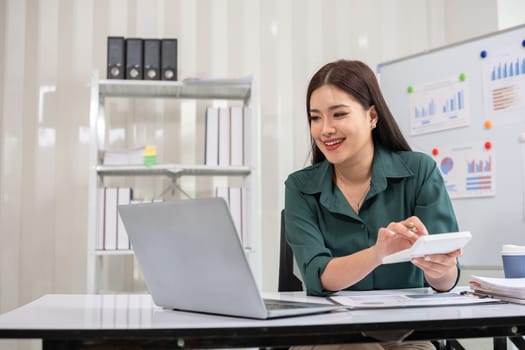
340,126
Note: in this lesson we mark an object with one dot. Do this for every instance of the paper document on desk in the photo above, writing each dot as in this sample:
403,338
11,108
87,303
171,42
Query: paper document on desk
500,287
371,300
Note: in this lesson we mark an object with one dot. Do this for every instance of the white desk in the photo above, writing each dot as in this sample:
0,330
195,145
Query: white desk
69,321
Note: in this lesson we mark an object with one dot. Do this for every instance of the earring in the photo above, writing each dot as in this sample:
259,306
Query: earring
374,126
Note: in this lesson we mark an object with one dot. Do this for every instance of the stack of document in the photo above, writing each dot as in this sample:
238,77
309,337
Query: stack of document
507,289
145,155
403,298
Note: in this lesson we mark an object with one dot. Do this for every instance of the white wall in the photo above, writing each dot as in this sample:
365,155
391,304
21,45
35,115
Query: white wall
510,13
43,157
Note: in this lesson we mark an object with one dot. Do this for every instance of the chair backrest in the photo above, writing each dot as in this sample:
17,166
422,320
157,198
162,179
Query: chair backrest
288,282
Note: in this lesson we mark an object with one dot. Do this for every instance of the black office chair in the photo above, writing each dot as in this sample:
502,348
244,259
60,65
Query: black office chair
288,282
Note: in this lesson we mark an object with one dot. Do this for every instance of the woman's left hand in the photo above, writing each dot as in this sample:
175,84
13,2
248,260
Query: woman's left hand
440,269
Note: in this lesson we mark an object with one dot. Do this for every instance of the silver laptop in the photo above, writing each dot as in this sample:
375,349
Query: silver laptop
192,259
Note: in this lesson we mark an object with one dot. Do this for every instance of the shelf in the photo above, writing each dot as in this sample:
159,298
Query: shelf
113,252
224,89
124,252
171,170
242,92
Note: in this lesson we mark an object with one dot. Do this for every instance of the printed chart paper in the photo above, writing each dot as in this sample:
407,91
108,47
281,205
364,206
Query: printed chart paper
468,171
439,105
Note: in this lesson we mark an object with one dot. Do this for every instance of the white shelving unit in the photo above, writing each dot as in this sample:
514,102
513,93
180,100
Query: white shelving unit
242,91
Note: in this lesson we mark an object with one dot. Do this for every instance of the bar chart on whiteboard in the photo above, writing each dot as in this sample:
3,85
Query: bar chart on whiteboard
504,81
439,105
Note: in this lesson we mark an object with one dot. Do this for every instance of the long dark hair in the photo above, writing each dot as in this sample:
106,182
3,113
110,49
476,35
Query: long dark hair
358,80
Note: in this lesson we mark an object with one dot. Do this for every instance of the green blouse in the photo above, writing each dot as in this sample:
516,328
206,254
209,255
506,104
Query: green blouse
320,224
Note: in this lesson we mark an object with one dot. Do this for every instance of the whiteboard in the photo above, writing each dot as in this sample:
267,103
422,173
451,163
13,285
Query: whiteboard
464,105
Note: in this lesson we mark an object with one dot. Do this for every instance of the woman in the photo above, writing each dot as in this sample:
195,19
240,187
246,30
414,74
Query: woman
365,196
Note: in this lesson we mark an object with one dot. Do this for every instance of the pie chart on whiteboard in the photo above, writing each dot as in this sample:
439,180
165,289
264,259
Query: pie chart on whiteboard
446,165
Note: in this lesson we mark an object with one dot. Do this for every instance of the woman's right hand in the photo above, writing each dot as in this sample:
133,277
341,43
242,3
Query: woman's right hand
398,236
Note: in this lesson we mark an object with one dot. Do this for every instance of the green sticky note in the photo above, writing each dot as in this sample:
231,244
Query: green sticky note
150,160
410,89
462,77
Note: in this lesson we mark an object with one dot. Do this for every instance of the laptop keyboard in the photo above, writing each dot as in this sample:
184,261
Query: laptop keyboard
285,304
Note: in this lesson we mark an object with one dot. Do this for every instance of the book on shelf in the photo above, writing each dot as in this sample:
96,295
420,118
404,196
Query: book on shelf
234,198
101,218
123,197
211,148
224,136
111,219
237,145
111,234
144,155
